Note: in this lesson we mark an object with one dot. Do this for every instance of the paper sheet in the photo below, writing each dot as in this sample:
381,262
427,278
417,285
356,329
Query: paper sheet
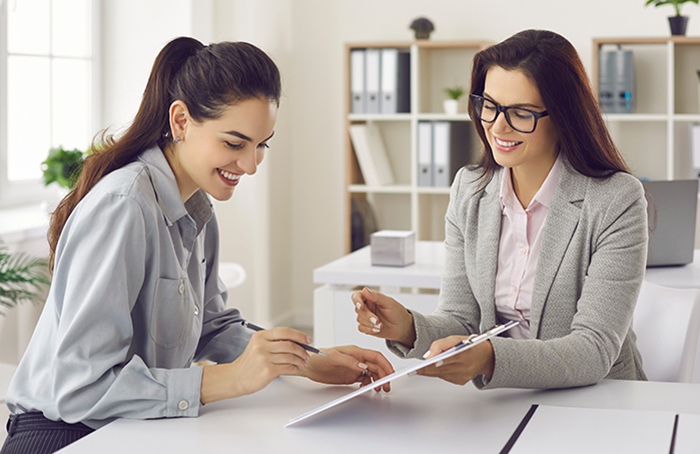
442,356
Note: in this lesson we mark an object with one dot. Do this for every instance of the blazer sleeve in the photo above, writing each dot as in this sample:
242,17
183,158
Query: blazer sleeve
607,284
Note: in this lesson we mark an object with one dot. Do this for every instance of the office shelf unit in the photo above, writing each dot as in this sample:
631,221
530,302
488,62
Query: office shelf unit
404,205
655,140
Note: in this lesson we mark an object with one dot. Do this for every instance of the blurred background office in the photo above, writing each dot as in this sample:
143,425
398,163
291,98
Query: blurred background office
291,216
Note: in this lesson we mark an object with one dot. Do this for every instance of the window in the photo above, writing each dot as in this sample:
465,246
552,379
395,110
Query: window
47,83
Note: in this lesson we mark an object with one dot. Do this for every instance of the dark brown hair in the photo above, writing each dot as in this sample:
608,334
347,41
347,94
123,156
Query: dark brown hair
206,78
553,65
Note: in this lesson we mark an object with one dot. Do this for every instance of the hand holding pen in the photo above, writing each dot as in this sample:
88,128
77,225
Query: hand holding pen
306,347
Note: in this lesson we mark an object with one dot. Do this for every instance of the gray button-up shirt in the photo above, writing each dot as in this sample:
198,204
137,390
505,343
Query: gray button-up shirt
135,299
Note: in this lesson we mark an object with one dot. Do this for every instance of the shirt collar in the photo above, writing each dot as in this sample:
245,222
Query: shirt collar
544,194
163,179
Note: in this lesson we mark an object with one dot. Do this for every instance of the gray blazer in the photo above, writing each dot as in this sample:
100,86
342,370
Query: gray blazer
589,273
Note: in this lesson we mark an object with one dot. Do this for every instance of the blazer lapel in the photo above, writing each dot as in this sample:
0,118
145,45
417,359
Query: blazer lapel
562,219
489,234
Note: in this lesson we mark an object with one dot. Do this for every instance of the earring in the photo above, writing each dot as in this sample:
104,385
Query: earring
177,139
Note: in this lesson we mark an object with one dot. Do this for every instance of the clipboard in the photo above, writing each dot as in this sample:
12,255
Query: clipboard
466,344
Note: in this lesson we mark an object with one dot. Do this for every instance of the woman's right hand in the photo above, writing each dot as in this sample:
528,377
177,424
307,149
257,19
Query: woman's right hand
269,354
382,316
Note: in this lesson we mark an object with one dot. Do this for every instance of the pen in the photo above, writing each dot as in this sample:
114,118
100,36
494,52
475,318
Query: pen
309,348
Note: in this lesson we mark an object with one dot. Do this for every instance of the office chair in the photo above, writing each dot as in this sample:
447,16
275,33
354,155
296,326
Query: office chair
667,323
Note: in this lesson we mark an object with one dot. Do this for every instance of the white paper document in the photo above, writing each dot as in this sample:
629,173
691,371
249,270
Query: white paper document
462,346
594,430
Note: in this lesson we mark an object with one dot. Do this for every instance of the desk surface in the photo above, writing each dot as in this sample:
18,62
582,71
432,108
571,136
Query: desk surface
356,269
687,276
419,415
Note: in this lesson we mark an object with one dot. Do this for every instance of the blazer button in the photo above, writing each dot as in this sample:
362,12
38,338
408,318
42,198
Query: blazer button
181,288
183,405
196,310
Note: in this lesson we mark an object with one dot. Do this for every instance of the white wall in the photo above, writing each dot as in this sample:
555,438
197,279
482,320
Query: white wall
289,218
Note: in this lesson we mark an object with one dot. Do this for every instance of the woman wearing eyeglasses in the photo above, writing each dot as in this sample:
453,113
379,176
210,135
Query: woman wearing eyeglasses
548,229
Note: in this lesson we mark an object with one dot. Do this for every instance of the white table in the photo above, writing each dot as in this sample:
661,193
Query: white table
419,415
415,286
687,276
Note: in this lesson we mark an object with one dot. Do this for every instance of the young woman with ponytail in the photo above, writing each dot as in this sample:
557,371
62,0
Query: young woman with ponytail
136,297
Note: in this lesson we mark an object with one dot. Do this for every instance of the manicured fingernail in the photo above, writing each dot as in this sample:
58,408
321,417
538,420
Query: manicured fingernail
369,290
375,330
308,357
426,354
358,305
438,364
308,339
363,366
373,320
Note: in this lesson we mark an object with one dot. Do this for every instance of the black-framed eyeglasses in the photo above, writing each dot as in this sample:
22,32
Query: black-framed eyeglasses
521,119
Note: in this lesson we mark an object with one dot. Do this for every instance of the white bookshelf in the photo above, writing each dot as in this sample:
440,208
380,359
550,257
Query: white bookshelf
435,65
655,140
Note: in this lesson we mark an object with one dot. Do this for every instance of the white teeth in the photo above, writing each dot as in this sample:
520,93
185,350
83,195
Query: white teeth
229,175
503,143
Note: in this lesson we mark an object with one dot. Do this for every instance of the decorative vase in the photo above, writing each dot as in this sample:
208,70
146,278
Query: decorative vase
678,25
451,106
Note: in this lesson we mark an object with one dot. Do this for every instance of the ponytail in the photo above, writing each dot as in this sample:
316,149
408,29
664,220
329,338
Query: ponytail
206,78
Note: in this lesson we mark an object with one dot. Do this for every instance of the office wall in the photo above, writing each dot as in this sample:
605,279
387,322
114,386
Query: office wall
288,219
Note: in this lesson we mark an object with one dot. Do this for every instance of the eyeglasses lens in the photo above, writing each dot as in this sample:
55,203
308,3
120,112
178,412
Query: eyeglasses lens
519,119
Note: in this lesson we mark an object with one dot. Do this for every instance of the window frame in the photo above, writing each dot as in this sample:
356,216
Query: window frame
34,192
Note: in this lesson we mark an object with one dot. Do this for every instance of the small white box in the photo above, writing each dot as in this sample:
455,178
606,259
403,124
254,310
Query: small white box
393,247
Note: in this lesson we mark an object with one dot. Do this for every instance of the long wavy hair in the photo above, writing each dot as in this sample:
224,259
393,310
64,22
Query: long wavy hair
553,65
207,79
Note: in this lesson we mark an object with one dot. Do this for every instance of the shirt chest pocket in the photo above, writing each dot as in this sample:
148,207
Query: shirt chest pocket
170,317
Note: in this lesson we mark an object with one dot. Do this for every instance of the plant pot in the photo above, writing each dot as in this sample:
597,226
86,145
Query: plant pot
678,25
451,106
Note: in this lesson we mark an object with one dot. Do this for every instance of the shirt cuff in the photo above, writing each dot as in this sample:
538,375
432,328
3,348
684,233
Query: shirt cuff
184,388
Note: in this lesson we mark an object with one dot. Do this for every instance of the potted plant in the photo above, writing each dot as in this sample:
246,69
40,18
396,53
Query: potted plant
63,167
22,278
678,23
451,105
422,28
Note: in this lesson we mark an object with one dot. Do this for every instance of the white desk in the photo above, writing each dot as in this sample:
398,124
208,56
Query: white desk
334,317
687,276
419,415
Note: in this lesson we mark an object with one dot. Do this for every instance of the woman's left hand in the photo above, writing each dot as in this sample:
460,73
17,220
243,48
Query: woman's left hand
346,365
462,367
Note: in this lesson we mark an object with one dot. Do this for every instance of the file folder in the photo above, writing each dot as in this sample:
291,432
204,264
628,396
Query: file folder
606,82
396,81
450,150
372,79
357,81
425,153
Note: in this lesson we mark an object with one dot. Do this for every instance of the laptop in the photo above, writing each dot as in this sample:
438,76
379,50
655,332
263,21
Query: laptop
672,227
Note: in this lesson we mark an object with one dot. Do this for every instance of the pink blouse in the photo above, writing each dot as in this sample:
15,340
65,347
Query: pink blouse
519,248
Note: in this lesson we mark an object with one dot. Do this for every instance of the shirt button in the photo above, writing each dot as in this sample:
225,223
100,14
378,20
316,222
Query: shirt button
523,251
183,405
529,214
181,288
196,310
515,288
